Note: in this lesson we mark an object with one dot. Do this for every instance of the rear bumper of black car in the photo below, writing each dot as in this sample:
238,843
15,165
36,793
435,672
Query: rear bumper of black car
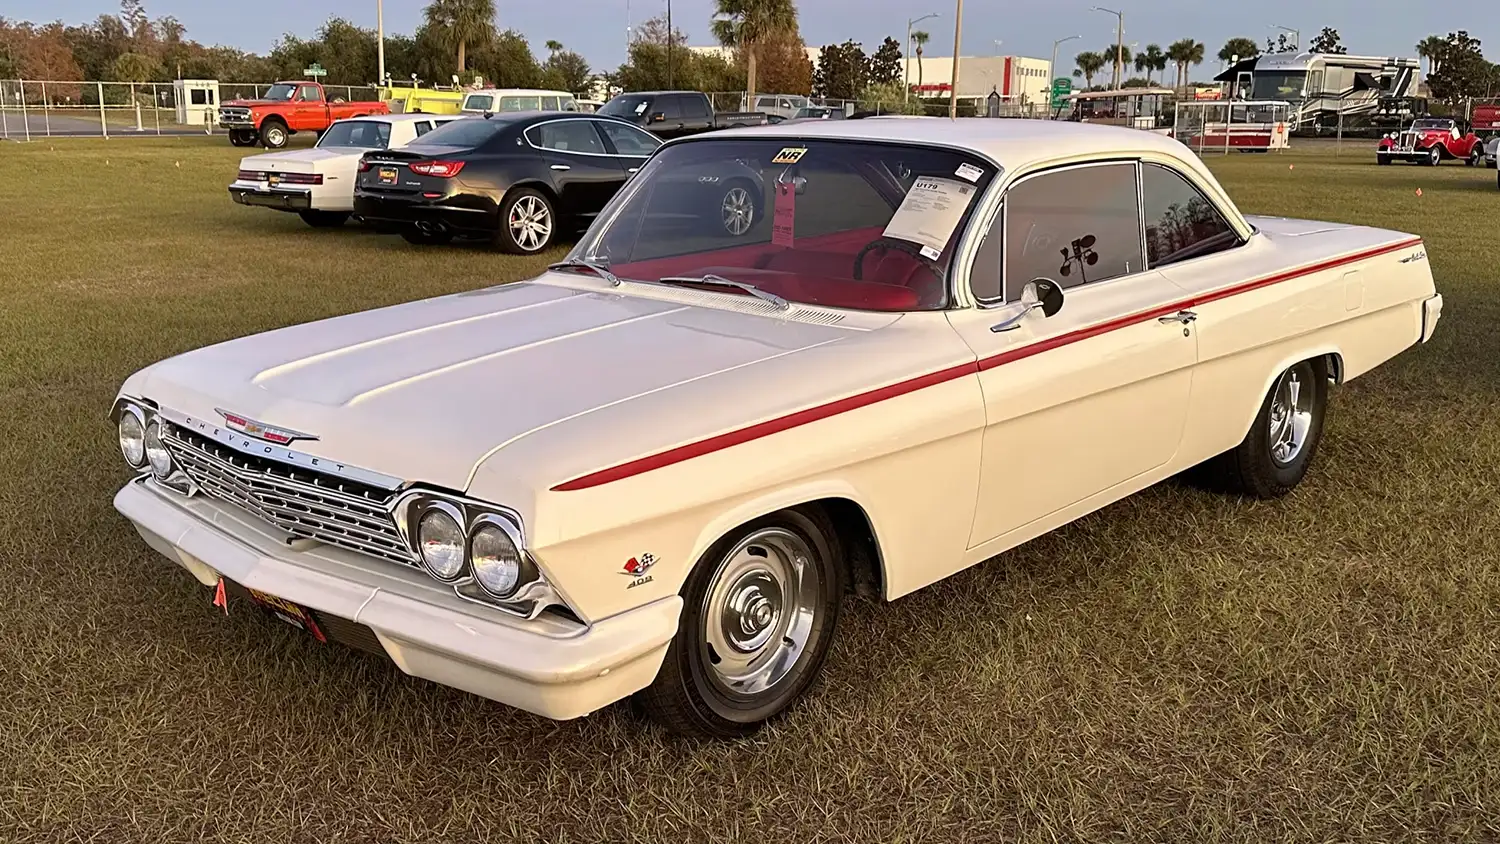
460,215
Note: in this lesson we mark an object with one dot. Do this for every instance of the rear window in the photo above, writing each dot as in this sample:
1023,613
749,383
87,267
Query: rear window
370,134
472,132
520,103
479,102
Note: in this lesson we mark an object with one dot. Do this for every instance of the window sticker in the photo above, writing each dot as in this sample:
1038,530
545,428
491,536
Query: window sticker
969,172
930,212
789,155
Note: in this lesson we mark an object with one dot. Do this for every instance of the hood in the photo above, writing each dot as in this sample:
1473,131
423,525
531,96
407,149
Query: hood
298,160
425,391
254,103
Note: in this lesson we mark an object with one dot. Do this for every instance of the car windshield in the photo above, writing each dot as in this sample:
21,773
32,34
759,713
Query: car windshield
869,226
365,134
1445,125
626,106
280,93
468,132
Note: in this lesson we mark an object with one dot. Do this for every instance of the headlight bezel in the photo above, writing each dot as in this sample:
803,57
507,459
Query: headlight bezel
129,410
525,570
153,428
442,509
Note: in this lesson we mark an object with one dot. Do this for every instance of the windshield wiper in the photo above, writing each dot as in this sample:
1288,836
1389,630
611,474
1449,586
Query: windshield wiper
721,281
601,269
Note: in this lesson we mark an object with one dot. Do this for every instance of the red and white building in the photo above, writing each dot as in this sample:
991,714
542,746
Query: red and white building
1019,80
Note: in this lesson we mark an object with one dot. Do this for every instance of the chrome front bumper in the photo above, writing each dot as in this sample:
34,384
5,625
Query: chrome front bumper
550,666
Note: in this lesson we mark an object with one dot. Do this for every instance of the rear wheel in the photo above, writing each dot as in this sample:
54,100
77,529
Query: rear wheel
274,134
324,219
759,613
1382,159
1476,156
528,222
1274,457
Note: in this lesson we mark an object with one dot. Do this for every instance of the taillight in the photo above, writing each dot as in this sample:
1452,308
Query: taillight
364,165
440,169
251,176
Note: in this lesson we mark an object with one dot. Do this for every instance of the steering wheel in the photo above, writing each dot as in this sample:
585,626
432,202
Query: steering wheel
886,244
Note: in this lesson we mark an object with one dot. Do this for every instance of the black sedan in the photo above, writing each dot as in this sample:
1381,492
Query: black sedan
514,179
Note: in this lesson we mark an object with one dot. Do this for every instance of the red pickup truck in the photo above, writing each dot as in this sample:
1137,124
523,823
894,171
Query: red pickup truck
286,109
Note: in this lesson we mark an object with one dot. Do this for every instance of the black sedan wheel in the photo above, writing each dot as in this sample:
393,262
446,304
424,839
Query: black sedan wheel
528,222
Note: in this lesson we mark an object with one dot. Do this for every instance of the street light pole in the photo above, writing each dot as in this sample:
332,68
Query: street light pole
1119,42
906,57
958,27
380,40
1052,69
1296,35
669,43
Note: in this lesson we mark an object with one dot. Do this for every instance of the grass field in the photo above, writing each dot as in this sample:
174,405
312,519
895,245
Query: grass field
1179,667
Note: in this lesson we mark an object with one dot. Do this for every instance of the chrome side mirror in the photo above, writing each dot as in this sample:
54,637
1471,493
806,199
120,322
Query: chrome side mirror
1040,293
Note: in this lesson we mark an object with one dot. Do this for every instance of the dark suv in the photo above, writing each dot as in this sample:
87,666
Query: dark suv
672,114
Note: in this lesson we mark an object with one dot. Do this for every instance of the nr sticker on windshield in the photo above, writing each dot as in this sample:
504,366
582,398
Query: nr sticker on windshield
789,155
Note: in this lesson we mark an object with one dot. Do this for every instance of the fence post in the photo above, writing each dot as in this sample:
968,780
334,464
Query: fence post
138,126
156,105
25,121
1338,148
4,119
46,110
103,126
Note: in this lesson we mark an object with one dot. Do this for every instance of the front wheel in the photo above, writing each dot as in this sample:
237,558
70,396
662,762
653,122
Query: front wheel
1274,457
241,138
1434,156
528,222
759,613
324,219
273,133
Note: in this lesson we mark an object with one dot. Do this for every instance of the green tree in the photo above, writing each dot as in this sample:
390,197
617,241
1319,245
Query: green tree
1184,54
506,61
1463,73
565,70
463,23
135,67
1328,41
1150,60
347,52
843,72
1245,48
1279,44
1087,65
885,64
744,24
782,63
889,98
919,41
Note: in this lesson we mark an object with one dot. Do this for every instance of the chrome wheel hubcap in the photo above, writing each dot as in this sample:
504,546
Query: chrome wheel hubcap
530,223
759,611
1291,413
738,211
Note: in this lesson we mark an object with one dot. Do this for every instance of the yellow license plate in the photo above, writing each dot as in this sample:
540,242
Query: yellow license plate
287,611
273,180
387,175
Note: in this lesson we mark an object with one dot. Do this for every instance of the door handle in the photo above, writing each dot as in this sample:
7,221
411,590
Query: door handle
633,170
561,167
1183,317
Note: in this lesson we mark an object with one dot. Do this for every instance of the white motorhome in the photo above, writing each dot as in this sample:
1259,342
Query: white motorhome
1321,86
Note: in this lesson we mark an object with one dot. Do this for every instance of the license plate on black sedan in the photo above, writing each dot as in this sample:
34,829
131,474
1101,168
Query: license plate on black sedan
387,175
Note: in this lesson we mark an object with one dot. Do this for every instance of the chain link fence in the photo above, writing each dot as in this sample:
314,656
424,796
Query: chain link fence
32,109
788,106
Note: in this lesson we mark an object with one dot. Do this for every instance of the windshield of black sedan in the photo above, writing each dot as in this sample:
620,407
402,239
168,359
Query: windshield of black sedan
845,224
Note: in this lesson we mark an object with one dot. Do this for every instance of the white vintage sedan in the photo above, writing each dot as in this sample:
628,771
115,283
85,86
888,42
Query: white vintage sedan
318,183
657,469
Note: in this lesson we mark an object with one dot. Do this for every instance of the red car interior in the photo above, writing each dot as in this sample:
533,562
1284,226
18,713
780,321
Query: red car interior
816,270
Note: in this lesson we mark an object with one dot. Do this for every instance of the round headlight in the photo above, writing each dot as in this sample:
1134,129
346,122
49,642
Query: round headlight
156,452
496,559
132,437
442,544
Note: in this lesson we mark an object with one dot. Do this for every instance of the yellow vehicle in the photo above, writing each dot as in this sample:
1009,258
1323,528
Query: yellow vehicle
410,98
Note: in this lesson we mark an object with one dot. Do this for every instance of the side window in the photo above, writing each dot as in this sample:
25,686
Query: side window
694,106
422,127
670,106
479,102
1181,222
1073,226
629,140
984,278
549,104
568,136
765,102
310,94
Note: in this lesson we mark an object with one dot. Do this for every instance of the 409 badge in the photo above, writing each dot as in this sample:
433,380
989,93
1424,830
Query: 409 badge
636,568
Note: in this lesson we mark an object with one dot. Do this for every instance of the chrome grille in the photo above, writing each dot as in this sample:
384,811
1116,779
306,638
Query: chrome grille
1407,141
339,512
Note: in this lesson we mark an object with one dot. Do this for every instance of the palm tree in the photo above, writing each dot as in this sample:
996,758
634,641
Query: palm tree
1184,53
1195,53
1088,65
1109,58
1431,49
919,40
744,24
1150,59
554,46
1245,48
463,22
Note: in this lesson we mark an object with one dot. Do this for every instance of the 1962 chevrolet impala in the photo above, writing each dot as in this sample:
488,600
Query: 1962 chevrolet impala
658,468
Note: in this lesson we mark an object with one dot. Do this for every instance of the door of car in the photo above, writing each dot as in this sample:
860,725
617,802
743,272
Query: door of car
696,115
666,116
633,146
584,172
1080,403
311,113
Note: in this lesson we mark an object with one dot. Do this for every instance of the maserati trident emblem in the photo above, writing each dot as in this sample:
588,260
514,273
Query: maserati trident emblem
260,430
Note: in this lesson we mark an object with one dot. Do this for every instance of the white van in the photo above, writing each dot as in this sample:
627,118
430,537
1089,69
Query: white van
497,100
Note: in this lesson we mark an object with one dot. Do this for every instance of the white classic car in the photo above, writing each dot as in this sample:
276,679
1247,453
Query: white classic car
318,183
658,468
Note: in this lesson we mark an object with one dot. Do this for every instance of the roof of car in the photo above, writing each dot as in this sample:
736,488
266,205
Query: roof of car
1011,142
400,118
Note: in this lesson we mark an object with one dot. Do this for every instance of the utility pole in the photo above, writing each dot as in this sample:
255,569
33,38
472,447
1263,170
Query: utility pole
670,39
958,28
380,41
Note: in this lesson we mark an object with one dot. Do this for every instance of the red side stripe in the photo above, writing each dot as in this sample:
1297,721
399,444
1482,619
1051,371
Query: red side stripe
720,442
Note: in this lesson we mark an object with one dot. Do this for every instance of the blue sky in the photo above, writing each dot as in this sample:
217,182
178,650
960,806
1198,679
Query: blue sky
596,28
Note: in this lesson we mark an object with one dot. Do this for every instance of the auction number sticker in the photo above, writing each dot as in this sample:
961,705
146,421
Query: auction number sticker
930,212
789,155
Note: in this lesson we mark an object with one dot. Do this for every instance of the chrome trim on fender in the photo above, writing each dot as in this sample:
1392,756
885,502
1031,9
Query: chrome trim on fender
257,448
1432,311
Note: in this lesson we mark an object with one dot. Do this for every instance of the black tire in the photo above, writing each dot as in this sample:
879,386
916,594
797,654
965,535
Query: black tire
747,199
414,235
688,696
273,133
1476,156
1251,468
324,219
1382,160
241,138
1434,156
525,202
